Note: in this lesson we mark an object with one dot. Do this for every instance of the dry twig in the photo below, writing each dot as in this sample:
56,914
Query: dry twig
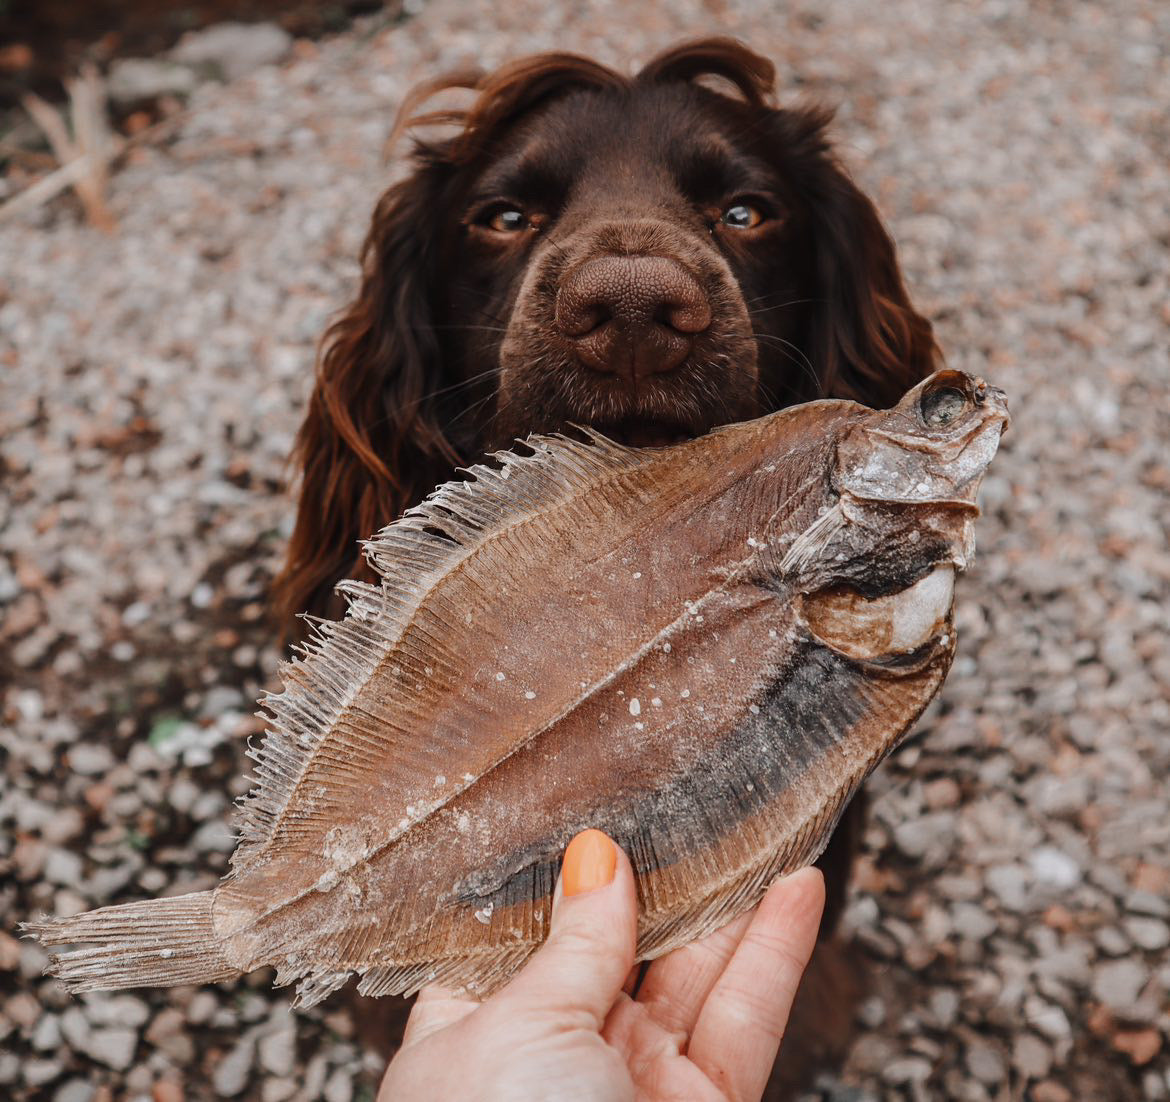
84,156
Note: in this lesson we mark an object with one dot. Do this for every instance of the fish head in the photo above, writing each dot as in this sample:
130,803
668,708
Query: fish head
933,447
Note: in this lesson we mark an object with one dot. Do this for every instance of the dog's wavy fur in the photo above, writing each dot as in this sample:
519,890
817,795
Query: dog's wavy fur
393,411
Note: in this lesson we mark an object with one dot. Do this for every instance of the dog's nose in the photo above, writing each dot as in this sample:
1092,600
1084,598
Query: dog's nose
632,315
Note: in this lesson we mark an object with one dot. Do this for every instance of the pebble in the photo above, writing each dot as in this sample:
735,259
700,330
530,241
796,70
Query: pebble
278,1050
91,759
1150,934
63,867
927,838
119,1009
909,1069
277,1090
215,836
338,1087
233,49
113,1047
1009,883
233,1071
38,1073
1118,983
47,1034
970,920
1051,1091
75,1090
1031,1057
985,1063
1054,869
1047,1019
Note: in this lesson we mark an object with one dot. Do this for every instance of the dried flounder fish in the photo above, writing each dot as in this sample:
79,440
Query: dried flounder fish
700,649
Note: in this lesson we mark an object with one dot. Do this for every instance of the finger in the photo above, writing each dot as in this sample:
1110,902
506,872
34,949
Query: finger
741,1025
581,968
677,985
655,1057
434,1009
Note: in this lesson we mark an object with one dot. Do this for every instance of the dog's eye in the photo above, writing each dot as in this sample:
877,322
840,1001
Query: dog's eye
507,220
742,216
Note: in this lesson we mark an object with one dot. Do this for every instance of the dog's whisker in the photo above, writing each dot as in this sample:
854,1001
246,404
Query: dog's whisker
755,313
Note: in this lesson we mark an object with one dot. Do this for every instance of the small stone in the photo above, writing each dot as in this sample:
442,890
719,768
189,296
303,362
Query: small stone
215,836
1053,868
339,1087
91,759
113,1047
278,1051
166,1024
928,838
202,1006
314,1075
22,1009
971,921
909,1069
39,1073
76,1028
232,1073
277,1090
1111,941
74,1090
1031,1057
63,867
985,1063
941,793
9,1067
1009,883
28,855
169,1034
134,80
1051,1091
167,1090
1147,903
872,1013
232,50
1140,1045
9,952
1151,934
944,1007
1047,1019
63,827
1117,983
116,1010
47,1035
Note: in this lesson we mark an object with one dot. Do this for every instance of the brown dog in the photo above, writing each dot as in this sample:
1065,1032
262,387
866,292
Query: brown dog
651,256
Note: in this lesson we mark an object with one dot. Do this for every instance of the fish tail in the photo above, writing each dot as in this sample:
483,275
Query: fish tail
154,943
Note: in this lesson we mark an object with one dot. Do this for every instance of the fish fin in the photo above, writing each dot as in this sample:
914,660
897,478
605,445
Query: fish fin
479,974
411,555
155,942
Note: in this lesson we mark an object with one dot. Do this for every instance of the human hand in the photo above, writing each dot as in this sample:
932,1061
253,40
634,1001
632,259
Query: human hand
705,1025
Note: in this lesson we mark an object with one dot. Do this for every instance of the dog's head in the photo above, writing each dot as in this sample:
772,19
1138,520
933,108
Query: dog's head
651,256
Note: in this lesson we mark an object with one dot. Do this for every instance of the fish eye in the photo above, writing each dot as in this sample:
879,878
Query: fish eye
942,406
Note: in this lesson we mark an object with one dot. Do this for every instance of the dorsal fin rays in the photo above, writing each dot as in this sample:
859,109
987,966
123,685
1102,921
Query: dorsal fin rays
411,555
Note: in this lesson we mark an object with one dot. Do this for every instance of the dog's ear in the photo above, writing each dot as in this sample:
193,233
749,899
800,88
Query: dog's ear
371,443
864,337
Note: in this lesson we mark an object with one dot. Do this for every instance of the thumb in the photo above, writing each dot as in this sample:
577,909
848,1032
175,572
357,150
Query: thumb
590,949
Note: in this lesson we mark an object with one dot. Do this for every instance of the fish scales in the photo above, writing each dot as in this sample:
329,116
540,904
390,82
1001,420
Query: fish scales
702,650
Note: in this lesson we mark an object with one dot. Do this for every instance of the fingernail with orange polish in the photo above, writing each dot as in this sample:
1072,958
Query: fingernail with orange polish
590,862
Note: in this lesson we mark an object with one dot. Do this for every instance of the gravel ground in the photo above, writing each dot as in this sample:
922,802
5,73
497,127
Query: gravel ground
1013,897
